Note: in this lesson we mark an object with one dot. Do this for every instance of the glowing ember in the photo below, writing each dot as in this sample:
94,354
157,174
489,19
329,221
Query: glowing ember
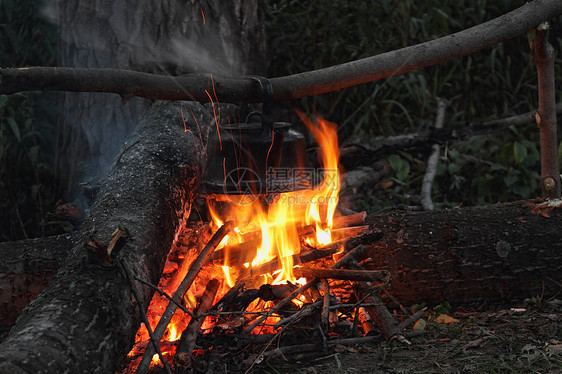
274,227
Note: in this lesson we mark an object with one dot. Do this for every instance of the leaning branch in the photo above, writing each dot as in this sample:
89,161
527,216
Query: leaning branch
198,88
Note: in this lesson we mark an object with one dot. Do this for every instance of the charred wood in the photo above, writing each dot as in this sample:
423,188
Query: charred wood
345,274
183,356
187,281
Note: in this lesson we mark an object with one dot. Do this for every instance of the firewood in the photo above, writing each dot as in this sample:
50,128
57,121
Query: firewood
196,266
366,322
341,222
412,319
155,342
270,292
352,275
183,356
384,321
326,306
343,227
357,251
305,311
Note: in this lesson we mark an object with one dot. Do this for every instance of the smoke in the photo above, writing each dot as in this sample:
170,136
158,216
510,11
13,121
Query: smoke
143,35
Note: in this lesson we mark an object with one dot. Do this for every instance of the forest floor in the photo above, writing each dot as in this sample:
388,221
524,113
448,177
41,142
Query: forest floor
500,340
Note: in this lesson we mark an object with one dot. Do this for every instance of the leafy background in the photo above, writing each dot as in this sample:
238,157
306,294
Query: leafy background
491,84
307,35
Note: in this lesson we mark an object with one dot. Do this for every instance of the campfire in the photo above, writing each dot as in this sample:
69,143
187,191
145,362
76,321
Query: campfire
270,276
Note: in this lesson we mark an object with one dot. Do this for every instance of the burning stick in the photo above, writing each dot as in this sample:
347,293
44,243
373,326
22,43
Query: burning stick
155,342
201,260
315,254
183,356
326,308
270,292
341,222
344,226
343,274
380,315
344,261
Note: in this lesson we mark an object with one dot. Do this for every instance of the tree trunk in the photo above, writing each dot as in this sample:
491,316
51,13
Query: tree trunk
495,253
26,268
170,37
86,319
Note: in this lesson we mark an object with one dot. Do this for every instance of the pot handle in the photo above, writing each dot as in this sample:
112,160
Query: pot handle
267,97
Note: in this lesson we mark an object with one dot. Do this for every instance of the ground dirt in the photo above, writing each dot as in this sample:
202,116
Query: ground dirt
500,340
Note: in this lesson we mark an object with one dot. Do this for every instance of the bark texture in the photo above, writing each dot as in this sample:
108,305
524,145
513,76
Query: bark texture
543,55
86,319
26,268
495,253
165,37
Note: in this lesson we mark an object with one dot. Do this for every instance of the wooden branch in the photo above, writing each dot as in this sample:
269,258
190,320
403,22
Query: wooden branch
366,322
543,55
194,269
184,351
343,274
326,306
129,83
246,251
303,312
412,319
384,321
357,251
433,160
519,119
155,342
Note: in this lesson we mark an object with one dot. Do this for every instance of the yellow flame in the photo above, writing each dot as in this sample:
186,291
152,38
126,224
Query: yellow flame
227,276
279,222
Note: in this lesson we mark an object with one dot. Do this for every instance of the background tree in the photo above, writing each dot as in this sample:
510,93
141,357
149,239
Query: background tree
150,36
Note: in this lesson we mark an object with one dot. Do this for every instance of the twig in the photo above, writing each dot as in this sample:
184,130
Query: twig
183,356
344,261
161,292
412,319
153,340
433,160
303,312
342,274
326,307
201,260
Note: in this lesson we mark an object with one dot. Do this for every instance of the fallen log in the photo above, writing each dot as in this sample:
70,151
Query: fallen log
494,253
86,319
451,255
26,267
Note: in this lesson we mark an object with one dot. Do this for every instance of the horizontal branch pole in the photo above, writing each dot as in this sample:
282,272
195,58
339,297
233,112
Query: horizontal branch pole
235,90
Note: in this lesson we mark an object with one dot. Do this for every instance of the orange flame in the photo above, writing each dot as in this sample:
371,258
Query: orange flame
278,222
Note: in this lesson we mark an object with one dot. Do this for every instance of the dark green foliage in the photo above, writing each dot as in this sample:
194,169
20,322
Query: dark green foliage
27,132
491,84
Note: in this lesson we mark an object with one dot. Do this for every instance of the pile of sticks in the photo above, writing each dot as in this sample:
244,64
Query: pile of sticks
256,324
